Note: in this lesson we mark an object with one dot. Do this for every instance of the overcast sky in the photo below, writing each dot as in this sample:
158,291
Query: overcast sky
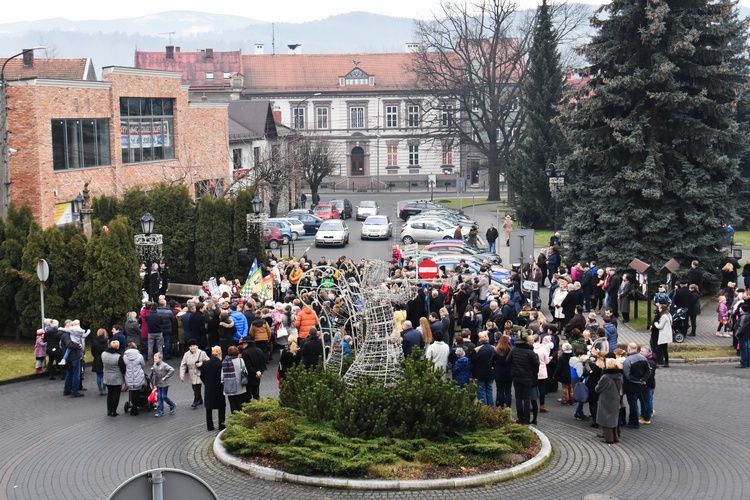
278,11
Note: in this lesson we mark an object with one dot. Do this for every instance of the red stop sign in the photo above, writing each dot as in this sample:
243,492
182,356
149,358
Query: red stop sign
427,269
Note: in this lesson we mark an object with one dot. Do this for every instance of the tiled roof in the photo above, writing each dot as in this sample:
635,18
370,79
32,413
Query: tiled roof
288,73
195,65
251,120
64,69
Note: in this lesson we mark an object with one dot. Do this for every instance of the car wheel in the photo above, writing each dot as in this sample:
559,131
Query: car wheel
407,240
447,238
273,244
295,236
285,241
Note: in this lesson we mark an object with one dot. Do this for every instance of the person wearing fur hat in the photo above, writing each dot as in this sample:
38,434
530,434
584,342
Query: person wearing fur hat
609,390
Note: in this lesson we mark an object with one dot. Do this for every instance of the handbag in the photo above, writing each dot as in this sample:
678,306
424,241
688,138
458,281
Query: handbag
281,332
154,396
243,374
580,392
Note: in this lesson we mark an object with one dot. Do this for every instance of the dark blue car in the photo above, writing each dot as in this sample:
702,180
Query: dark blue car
310,221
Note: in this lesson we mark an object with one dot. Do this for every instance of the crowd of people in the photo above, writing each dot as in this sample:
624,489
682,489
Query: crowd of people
471,327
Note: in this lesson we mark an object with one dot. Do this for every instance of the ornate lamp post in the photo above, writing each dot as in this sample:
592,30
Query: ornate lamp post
255,221
148,245
556,182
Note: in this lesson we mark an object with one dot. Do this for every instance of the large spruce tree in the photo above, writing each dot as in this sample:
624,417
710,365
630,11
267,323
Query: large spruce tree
654,133
544,142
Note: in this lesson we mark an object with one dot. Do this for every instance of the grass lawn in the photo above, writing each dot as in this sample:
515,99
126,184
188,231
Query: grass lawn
742,237
467,202
693,352
18,359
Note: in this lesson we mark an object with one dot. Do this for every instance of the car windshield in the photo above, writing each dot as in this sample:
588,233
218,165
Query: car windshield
323,208
368,204
330,226
376,221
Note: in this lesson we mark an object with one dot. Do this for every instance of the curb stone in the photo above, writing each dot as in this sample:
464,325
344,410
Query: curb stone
270,474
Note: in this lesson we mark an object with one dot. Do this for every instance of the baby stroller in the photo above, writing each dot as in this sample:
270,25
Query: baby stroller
679,325
142,398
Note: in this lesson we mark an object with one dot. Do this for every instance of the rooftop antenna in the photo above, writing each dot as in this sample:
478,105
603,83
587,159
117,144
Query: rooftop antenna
273,39
170,33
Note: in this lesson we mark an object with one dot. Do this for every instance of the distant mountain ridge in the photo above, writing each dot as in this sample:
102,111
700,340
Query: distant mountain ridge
113,42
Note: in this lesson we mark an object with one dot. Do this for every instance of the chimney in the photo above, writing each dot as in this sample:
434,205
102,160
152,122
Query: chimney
170,51
277,115
412,47
295,48
258,49
209,53
28,58
176,49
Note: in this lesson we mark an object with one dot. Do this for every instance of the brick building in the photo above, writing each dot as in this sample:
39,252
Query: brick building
135,127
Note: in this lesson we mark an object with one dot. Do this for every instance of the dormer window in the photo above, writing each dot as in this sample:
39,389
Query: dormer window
209,75
356,77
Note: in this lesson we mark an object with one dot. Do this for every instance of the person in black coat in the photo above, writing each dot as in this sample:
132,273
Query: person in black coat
213,394
614,287
524,365
52,338
255,362
98,346
311,353
411,338
481,369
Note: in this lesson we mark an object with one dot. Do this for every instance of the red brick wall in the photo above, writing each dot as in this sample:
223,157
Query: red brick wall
201,141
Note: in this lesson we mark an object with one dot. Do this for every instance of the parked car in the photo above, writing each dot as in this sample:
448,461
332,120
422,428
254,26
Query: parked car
299,211
454,247
458,217
283,226
499,275
344,206
366,209
422,231
310,222
377,226
332,232
273,237
415,207
327,211
295,226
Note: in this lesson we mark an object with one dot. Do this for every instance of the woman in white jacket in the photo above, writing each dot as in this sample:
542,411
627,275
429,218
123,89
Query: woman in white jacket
664,324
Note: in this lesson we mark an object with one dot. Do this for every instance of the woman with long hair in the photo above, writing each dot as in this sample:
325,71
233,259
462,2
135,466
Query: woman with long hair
424,327
503,377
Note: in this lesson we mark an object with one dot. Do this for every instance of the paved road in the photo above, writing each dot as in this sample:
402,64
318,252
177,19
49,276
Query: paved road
58,447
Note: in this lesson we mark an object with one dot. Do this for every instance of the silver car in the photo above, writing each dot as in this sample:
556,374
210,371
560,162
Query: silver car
377,226
425,231
366,209
332,232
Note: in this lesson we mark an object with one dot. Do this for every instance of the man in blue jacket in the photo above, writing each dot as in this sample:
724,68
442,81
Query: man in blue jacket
411,338
240,322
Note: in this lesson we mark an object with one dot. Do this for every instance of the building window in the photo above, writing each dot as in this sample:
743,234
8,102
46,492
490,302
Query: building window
413,155
209,75
146,129
393,156
256,156
321,118
391,116
356,117
237,158
80,143
412,116
446,119
447,154
298,115
227,75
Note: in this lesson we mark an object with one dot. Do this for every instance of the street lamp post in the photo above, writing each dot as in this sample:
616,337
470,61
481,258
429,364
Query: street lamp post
148,245
255,221
5,174
556,182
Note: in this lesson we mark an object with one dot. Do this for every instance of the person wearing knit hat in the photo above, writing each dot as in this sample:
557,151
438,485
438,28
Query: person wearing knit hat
40,350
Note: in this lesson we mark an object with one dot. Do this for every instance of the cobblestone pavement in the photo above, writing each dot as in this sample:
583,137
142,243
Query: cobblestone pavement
58,447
